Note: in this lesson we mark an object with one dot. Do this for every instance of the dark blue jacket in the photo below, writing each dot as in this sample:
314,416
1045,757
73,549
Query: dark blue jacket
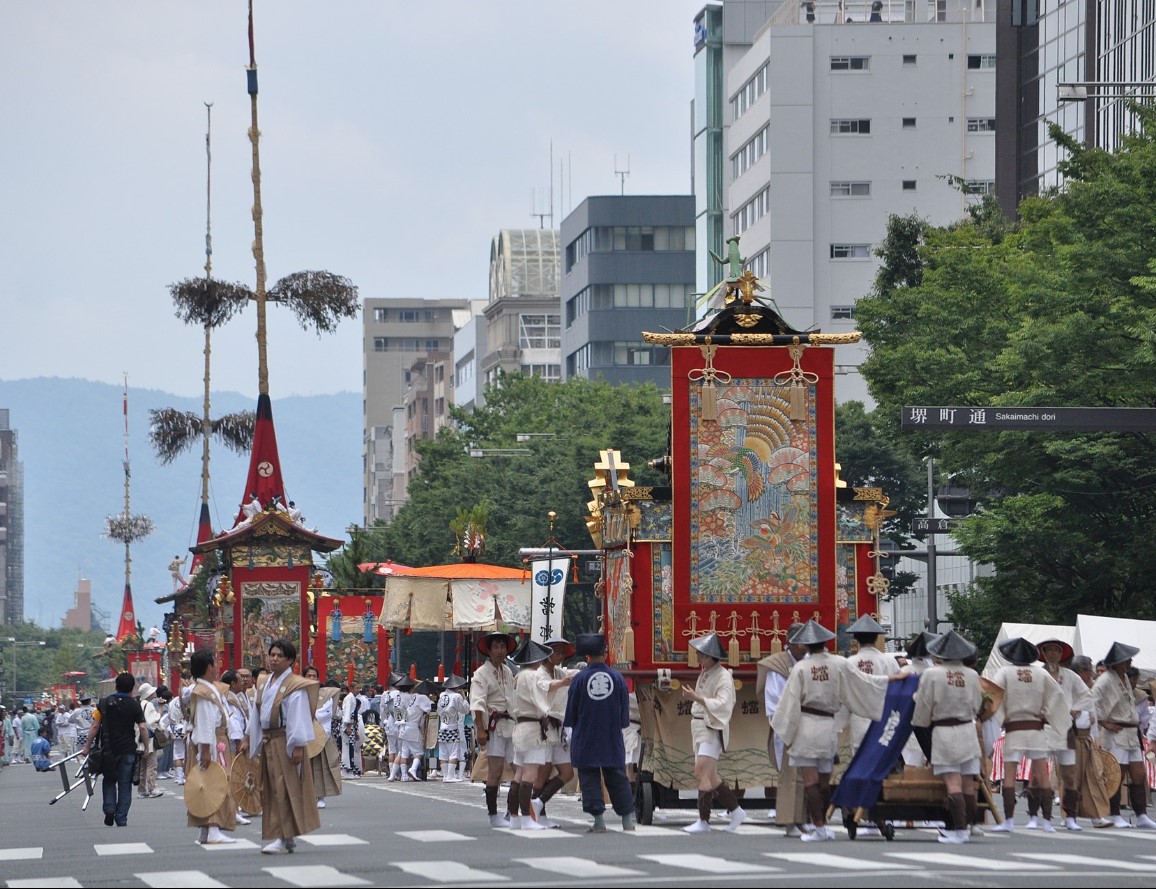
598,709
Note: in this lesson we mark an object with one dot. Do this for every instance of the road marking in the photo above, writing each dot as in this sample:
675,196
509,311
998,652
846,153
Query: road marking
179,879
1085,860
332,839
433,836
447,871
21,854
123,849
581,868
709,863
926,858
537,834
241,843
314,875
827,859
45,883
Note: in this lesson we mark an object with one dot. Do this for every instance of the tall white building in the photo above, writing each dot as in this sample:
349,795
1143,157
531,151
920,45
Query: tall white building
835,124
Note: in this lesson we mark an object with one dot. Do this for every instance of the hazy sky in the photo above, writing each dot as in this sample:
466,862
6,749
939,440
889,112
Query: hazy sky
397,140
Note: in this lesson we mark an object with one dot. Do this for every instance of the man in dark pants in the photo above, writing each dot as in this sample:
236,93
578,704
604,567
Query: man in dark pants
597,711
123,721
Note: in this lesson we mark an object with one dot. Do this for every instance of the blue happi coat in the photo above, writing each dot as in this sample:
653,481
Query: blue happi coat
598,709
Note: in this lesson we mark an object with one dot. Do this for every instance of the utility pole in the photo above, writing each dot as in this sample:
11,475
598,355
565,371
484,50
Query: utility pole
932,603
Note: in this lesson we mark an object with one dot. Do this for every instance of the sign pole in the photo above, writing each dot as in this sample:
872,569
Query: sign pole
932,604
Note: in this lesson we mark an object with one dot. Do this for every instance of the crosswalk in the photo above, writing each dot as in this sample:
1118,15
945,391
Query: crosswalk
541,869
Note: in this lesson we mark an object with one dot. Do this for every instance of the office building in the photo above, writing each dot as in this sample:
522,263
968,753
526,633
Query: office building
397,332
11,525
523,329
628,266
835,122
1107,49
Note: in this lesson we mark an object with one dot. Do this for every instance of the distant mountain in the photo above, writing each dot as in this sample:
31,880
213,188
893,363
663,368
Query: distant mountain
71,444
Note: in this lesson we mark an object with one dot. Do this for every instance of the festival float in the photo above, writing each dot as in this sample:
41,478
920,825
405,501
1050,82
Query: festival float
754,532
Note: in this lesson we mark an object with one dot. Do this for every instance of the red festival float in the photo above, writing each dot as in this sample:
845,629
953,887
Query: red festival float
754,533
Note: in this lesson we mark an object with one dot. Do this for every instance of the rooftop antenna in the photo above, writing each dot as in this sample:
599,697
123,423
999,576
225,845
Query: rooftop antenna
622,174
549,212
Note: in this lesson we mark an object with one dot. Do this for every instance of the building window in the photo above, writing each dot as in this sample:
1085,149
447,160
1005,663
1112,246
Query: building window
981,61
752,211
909,60
979,186
746,156
981,124
860,126
381,343
850,251
850,63
909,123
551,373
749,93
627,354
842,313
760,264
850,189
909,185
539,332
380,315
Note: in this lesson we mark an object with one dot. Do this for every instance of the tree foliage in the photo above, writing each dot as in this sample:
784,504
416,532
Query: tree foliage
1056,309
517,491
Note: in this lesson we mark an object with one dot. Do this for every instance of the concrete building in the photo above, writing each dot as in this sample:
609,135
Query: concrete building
1109,49
80,616
426,405
838,122
628,266
722,35
523,323
470,342
11,525
396,333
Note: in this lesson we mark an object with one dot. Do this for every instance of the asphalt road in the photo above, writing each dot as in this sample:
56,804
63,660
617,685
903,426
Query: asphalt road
384,833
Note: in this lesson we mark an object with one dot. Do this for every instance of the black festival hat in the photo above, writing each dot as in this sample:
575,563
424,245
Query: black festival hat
1019,651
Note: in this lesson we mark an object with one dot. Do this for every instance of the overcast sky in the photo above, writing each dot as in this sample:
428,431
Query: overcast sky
397,140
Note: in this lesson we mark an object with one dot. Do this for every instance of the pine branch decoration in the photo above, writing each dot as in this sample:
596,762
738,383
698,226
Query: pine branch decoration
319,299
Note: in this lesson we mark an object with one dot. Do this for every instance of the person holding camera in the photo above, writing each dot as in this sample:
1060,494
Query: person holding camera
120,721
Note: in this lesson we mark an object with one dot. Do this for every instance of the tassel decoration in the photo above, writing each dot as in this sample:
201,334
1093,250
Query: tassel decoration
798,410
691,656
709,410
756,648
733,653
628,643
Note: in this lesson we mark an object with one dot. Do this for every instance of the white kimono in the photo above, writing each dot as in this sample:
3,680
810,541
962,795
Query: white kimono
829,685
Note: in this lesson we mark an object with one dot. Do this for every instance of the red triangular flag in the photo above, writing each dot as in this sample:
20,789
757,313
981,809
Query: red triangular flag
264,481
204,533
127,626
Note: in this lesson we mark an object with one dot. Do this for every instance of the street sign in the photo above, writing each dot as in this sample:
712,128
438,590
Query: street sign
934,526
1046,419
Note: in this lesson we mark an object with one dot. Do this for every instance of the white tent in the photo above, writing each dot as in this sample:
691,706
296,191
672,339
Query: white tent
1095,635
1033,633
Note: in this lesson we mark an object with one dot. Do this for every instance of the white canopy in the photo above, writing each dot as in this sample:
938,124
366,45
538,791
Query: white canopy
1033,633
1095,635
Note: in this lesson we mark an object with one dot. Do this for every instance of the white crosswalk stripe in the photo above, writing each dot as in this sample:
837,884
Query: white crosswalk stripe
966,861
844,862
448,871
710,864
332,839
434,836
122,849
45,883
24,854
1078,860
579,868
314,875
180,879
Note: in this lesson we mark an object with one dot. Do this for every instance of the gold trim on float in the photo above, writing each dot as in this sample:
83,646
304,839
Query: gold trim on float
753,339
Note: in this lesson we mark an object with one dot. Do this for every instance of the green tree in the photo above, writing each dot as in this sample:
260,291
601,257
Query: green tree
580,419
1057,309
